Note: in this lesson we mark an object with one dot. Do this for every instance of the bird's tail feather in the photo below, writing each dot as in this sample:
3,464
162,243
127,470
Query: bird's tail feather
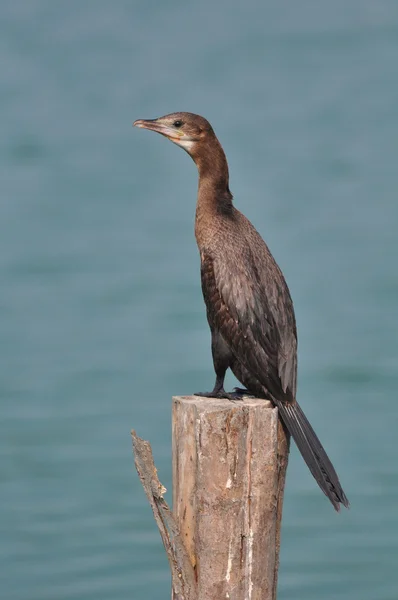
313,452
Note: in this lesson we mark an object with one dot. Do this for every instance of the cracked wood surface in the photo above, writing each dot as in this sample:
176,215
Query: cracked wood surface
229,466
182,573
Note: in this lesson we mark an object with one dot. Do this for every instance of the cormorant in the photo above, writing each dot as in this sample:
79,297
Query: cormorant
249,307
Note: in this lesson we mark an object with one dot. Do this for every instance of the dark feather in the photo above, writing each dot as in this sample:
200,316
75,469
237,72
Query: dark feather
249,303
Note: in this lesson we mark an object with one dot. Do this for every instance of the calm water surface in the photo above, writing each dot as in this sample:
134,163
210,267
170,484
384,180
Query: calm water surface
101,316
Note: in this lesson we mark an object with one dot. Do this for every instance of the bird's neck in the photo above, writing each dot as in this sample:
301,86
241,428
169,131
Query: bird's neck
214,196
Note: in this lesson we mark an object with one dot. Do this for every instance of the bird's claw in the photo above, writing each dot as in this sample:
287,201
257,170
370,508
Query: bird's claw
220,394
238,394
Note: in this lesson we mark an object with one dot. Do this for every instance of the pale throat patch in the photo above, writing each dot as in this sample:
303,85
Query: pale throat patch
186,144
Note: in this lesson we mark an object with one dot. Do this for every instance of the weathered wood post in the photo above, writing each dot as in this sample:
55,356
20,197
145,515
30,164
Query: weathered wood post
229,465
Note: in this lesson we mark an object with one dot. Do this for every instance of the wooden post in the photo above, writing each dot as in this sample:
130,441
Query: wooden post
229,465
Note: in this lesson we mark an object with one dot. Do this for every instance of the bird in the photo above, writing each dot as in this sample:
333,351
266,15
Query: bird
249,307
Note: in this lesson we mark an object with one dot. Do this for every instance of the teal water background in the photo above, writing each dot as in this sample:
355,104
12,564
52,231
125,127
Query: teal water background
101,315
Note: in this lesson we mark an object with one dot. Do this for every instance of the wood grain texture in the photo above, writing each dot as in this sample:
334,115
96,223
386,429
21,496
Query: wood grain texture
229,466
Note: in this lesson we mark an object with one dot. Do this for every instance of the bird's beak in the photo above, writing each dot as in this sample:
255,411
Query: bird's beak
155,125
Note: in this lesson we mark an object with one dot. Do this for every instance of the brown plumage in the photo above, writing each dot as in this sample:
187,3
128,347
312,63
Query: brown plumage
249,308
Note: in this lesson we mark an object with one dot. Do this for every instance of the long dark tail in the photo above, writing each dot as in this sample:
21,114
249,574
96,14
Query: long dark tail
313,452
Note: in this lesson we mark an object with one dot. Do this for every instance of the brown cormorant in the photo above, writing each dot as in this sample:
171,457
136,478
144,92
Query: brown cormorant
249,307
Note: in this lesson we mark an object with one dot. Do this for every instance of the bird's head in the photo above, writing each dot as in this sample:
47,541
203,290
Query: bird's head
184,129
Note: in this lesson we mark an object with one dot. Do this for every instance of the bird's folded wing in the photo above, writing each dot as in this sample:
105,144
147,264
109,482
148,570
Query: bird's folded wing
252,318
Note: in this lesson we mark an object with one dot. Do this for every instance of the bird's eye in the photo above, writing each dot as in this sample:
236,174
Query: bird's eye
177,123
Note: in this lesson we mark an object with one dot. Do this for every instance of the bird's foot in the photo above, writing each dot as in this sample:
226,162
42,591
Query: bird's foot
244,392
238,394
220,393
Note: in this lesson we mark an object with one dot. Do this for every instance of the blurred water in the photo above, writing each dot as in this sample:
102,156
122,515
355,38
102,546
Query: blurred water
101,316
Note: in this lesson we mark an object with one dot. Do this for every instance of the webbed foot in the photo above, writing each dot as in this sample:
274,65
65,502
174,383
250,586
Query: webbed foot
220,393
237,395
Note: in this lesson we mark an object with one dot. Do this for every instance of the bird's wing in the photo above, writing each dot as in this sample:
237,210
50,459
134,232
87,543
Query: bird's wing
254,313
